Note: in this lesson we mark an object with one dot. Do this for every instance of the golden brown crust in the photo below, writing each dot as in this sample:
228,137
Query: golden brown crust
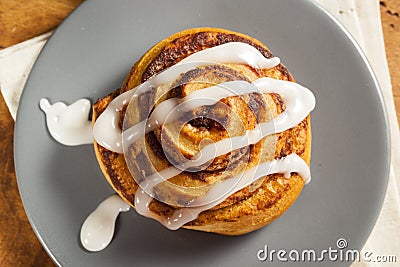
246,210
178,43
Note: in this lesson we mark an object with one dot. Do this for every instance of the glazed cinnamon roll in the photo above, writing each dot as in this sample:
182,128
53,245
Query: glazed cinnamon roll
209,131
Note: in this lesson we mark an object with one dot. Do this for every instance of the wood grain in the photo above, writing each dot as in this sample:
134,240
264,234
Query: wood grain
18,244
390,10
23,19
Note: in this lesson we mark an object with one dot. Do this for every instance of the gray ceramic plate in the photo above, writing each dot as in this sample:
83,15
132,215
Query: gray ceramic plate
89,55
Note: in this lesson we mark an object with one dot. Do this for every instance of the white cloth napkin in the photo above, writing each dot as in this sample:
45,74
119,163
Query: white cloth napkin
15,65
362,19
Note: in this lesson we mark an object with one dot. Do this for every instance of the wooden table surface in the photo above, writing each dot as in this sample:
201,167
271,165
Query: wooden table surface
23,19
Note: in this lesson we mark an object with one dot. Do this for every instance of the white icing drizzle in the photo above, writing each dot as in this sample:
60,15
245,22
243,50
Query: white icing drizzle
106,132
174,107
219,192
299,103
98,229
234,52
69,125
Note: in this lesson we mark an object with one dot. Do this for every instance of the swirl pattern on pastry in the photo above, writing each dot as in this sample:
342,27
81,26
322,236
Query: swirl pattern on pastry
247,209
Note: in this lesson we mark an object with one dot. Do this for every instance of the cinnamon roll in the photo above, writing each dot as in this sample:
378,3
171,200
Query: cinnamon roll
209,131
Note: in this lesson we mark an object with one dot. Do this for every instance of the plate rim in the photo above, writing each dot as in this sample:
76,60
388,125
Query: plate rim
377,89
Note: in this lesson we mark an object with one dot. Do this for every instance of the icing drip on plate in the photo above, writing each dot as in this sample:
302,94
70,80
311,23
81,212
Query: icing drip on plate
69,125
98,229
